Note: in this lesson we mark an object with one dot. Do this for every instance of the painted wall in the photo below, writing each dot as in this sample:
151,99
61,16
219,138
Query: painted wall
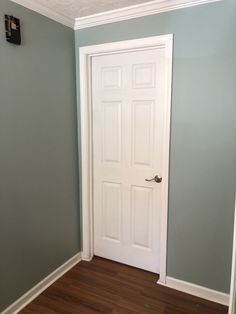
39,219
203,132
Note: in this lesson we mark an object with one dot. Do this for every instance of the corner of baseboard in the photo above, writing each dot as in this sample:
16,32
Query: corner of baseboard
196,290
42,285
86,257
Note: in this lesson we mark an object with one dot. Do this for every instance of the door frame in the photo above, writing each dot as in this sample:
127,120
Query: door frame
84,109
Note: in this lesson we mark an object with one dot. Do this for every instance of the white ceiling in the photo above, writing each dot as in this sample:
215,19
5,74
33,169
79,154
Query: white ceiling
79,8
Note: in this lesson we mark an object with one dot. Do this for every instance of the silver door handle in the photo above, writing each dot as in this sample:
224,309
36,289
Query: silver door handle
157,179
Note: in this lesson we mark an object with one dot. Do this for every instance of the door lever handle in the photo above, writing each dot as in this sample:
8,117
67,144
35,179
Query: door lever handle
157,179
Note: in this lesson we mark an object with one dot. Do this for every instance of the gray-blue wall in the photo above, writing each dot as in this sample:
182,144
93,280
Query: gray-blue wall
203,134
39,216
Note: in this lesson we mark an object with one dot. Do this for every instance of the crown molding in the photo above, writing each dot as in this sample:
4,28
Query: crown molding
29,4
131,12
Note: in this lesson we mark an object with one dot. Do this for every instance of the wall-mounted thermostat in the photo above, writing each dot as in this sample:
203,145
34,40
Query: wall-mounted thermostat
12,26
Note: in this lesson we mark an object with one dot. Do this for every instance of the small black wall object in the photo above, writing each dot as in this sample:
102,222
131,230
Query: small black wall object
12,26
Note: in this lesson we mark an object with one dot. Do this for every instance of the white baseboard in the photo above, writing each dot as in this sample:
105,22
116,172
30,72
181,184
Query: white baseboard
198,291
85,256
184,286
19,304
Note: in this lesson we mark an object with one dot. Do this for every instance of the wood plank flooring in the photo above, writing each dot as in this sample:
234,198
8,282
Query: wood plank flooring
103,286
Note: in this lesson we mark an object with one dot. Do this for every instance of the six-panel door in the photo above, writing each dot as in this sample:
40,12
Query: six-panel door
127,97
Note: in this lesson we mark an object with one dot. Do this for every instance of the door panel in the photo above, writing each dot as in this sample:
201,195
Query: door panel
141,211
142,132
111,131
144,75
111,211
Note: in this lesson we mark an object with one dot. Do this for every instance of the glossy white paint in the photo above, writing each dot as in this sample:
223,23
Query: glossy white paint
127,93
139,164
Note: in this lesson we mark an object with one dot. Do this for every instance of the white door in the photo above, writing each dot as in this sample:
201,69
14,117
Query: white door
128,94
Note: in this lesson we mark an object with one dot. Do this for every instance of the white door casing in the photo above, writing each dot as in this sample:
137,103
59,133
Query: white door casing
123,170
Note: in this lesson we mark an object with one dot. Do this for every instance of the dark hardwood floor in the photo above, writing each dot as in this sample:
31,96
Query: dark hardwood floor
103,286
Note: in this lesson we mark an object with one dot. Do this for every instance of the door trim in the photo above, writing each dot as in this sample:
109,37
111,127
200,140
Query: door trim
85,135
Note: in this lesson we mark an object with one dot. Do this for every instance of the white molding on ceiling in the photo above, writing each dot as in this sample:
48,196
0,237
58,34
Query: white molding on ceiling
111,16
41,9
134,11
